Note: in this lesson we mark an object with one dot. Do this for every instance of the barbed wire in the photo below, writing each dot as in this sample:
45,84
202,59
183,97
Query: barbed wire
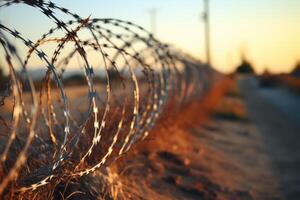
61,127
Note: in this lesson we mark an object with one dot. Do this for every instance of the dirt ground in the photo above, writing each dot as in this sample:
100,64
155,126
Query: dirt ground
196,155
276,113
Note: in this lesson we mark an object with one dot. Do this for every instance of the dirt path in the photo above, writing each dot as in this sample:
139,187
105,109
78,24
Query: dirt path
191,157
276,115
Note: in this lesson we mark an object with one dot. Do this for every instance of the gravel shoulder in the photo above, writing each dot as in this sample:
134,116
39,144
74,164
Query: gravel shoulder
275,113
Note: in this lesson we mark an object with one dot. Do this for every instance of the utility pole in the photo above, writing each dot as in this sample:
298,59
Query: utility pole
153,12
206,19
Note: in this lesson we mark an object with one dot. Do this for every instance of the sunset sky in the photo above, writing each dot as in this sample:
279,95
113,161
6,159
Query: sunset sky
268,31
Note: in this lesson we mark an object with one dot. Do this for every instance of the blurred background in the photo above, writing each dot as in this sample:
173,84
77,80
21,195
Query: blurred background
265,32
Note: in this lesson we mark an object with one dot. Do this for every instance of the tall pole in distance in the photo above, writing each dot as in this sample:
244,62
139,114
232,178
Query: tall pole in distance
206,18
152,13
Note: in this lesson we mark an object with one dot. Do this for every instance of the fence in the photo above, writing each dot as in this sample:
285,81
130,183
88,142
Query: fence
67,123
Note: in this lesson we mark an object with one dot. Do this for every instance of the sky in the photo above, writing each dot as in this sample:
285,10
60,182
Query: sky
266,31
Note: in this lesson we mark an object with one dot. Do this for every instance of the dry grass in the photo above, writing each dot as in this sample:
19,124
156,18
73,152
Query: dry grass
188,155
288,81
161,164
231,107
291,82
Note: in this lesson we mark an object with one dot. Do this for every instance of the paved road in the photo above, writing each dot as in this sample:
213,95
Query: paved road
276,113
